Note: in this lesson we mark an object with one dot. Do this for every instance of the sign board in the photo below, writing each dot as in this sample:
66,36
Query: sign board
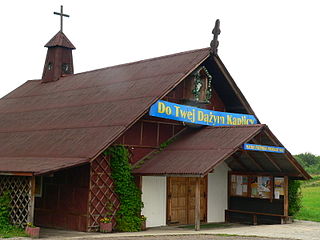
183,113
263,148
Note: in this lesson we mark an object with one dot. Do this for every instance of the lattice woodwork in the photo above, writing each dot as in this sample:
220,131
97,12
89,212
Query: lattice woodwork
20,192
103,201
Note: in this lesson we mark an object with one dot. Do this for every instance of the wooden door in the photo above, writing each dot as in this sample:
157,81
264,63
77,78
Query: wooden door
181,200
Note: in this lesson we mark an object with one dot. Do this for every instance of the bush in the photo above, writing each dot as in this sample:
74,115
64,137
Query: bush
5,210
128,217
295,196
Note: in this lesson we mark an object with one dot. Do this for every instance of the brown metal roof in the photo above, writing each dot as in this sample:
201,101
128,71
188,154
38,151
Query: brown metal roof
60,40
38,165
199,151
43,126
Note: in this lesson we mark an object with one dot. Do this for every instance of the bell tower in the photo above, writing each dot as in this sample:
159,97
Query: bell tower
59,61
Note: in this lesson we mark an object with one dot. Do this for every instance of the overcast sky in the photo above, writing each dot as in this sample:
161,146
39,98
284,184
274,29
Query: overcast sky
271,48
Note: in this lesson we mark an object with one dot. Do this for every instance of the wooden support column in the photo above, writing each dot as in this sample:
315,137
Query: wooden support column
286,196
32,199
197,205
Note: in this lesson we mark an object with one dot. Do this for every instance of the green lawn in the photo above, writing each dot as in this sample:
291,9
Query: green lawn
311,201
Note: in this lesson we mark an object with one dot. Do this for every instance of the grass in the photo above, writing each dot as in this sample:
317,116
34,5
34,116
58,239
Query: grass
311,200
9,232
208,225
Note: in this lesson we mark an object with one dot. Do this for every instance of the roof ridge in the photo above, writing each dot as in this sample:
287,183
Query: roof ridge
141,61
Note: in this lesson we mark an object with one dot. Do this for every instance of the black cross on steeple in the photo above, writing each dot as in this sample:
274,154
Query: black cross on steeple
61,17
215,43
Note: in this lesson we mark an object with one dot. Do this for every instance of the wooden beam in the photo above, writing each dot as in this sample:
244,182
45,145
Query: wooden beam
197,205
32,199
244,167
273,162
258,165
286,196
266,174
269,157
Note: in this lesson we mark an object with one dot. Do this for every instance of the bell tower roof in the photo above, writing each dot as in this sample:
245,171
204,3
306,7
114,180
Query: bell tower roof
60,40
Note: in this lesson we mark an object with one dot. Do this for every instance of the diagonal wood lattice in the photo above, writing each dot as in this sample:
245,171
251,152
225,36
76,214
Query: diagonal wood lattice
103,200
20,191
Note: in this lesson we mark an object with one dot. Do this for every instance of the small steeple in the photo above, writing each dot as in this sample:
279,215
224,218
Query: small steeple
215,43
59,61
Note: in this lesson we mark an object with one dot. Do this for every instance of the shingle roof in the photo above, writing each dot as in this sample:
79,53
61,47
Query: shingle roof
199,151
70,121
60,40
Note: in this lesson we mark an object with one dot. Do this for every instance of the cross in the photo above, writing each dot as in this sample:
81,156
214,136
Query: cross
61,17
215,43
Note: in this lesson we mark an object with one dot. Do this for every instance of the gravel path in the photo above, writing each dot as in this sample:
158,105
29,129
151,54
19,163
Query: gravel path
195,237
303,230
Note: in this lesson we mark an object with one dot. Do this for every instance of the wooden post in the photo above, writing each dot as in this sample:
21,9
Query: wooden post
32,196
286,196
197,205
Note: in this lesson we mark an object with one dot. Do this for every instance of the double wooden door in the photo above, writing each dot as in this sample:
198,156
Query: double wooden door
181,200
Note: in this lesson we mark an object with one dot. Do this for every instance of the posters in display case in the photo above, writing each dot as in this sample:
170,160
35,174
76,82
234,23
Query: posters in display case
278,187
239,185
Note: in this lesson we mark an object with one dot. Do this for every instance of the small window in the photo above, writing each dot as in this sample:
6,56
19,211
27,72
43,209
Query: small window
66,68
49,66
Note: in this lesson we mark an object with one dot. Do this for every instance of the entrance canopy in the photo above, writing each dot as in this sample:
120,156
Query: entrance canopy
199,151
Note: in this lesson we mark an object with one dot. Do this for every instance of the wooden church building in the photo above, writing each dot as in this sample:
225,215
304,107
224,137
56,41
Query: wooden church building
222,164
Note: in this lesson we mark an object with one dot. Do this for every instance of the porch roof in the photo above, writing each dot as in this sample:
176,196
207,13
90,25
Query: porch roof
198,151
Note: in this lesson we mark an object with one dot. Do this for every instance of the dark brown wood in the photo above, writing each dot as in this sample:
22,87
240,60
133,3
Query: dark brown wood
272,161
254,220
229,188
286,196
255,213
258,165
215,43
267,155
265,174
197,205
244,167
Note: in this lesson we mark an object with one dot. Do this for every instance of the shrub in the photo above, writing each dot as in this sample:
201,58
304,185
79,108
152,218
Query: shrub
128,216
295,196
5,209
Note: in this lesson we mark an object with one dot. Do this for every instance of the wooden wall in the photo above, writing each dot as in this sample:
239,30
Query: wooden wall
64,201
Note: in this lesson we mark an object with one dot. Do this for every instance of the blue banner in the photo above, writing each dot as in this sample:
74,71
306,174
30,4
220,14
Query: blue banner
263,148
183,113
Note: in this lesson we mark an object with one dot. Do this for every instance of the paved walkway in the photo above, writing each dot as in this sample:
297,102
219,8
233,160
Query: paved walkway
304,230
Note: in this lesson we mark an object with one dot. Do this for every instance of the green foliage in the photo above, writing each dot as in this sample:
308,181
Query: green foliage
310,162
5,210
295,197
128,216
12,231
6,229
